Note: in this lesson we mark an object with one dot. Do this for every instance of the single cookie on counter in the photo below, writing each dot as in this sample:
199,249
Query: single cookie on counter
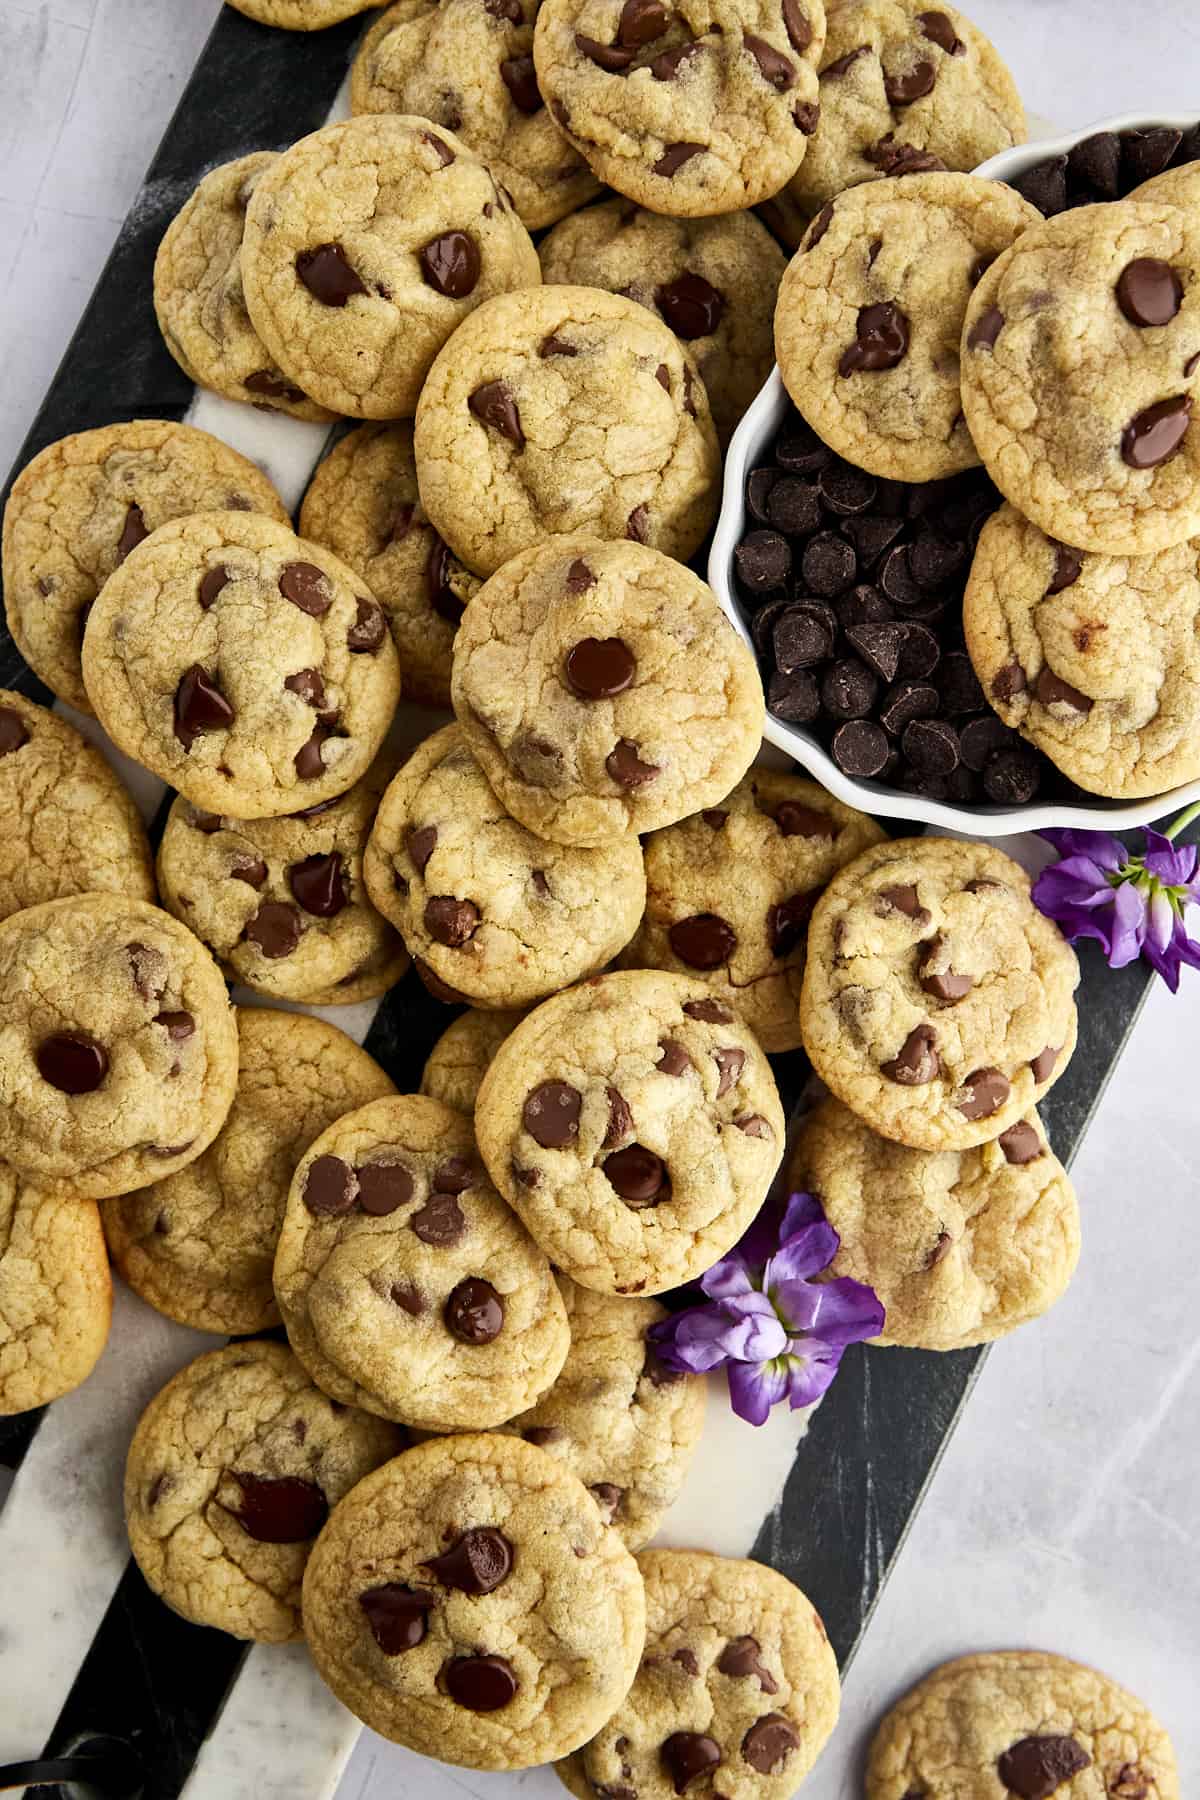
406,1285
283,902
67,824
1094,659
200,1245
458,1061
737,1686
603,691
243,665
83,503
501,917
870,317
560,410
713,281
234,1468
118,1045
938,1002
961,1246
688,110
633,1122
55,1293
1021,1722
730,890
1080,370
300,15
366,244
470,68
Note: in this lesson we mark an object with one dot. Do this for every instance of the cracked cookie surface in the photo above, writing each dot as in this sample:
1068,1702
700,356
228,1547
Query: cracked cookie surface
738,1687
603,691
469,1602
500,916
870,318
366,244
565,409
55,1293
937,1001
458,1061
233,1469
118,1046
1094,659
1080,371
633,1123
1021,1722
83,503
200,1245
246,667
730,890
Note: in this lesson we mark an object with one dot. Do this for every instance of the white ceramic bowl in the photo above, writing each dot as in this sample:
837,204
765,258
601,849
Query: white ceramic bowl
746,449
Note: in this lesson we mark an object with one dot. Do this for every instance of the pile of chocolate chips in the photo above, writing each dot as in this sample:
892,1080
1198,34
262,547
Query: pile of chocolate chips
1106,167
852,588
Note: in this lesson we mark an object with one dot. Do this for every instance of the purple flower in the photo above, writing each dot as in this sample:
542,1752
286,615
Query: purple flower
1133,904
774,1330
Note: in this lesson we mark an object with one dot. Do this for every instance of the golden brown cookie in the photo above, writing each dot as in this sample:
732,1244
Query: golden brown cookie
55,1293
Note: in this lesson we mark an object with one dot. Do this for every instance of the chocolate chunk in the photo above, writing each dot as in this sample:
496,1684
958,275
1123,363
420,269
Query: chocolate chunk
199,706
551,1114
791,505
979,738
1045,185
712,1012
306,587
440,1222
673,1059
454,1176
906,701
880,646
892,156
828,565
450,264
703,941
132,532
987,1091
638,1176
493,405
211,584
308,761
986,329
397,1615
275,929
1036,1766
939,29
1149,292
620,1120
913,84
1008,682
918,1060
1145,154
384,1185
599,668
943,984
310,686
474,1313
687,1755
667,66
368,630
845,62
777,70
328,274
802,637
281,1509
1052,690
691,306
860,749
13,732
1020,1143
795,820
848,689
794,698
787,922
730,1062
637,525
476,1563
641,22
319,883
1068,566
797,25
330,1187
1094,166
517,74
769,1741
1044,1063
482,1684
1012,777
881,339
674,157
742,1657
72,1061
626,767
1154,436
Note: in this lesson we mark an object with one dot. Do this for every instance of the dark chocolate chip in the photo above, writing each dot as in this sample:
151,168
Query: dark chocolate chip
897,581
369,629
310,686
1044,1063
641,22
742,1657
860,749
943,984
792,505
482,1684
703,941
730,1062
320,884
828,564
474,1313
1008,682
881,339
801,638
199,706
626,767
476,1563
666,66
769,1741
132,532
795,820
306,586
787,922
1012,777
1020,1143
494,406
688,1755
1045,185
987,1091
179,1026
551,1114
637,525
939,29
1145,154
72,1061
918,1060
397,1615
1068,566
384,1185
638,1176
1156,434
438,145
211,584
1149,292
919,653
759,487
614,59
328,274
1052,690
450,921
275,929
848,689
979,738
672,1059
906,701
712,1012
271,384
579,577
797,25
891,156
754,1125
279,1509
517,74
794,698
620,1120
880,646
986,329
959,685
913,84
1095,164
799,450
440,1222
674,157
806,116
420,841
846,490
453,1176
934,560
1035,1766
608,1497
450,264
777,70
13,731
691,306
862,605
845,62
441,596
599,668
330,1187
250,869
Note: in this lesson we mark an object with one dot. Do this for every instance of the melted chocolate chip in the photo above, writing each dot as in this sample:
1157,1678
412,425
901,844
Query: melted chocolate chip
451,922
450,264
599,668
132,532
712,1012
614,59
517,74
384,1185
1149,292
319,883
691,306
13,732
674,157
275,929
72,1062
1035,1766
626,767
306,586
330,1187
271,384
987,1091
730,1061
907,901
1044,1062
541,1435
397,1615
939,29
454,1176
620,1120
369,629
795,820
768,1742
667,66
638,1176
420,841
474,1313
787,922
917,1061
986,329
482,1684
637,525
687,1755
179,1026
441,596
1008,682
913,84
199,706
796,24
1068,566
742,1657
579,577
493,405
211,584
943,984
1052,690
309,685
881,339
440,1222
476,1563
641,22
1020,1143
553,345
551,1114
608,1497
777,70
1154,436
328,274
673,1059
280,1510
704,941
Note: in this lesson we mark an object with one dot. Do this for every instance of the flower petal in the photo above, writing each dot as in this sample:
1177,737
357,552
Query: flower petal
848,1312
754,1389
1130,920
1098,847
692,1342
801,1210
809,1375
807,1252
729,1278
1173,864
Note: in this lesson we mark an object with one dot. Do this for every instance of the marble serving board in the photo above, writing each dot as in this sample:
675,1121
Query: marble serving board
84,1646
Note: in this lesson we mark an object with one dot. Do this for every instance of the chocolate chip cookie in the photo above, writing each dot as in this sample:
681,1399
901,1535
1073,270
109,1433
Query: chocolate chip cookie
118,1048
633,1123
736,1694
1021,1722
730,892
1095,659
55,1293
468,1601
406,1285
603,691
469,67
703,107
200,1245
499,916
713,281
300,15
937,1001
456,1065
234,1468
67,824
560,410
366,244
246,667
1080,369
870,317
83,503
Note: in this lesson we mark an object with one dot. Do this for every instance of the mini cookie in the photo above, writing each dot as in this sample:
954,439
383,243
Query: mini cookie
406,1285
937,1000
617,1417
283,902
905,89
243,665
458,1061
200,1246
300,15
603,691
67,824
870,317
1080,369
77,510
363,505
738,1687
470,68
961,1246
1094,659
118,1048
233,1469
704,107
499,916
468,1601
730,891
634,1124
713,281
565,409
366,244
55,1293
1021,1722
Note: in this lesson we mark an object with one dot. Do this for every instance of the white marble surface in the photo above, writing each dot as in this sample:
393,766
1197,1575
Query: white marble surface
1065,1513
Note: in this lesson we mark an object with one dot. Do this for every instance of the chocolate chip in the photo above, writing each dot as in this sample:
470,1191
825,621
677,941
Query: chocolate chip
691,306
1043,1064
306,586
806,116
579,577
199,706
518,76
494,406
666,66
474,1313
794,697
454,1176
880,647
599,668
787,922
420,842
846,490
612,58
551,1114
1012,777
132,532
687,1755
450,921
1036,1766
979,738
918,1061
906,701
441,596
1149,292
795,820
541,1435
913,84
920,654
730,1062
626,767
272,385
802,637
476,1563
769,1741
638,1176
211,584
931,746
279,1509
848,689
703,941
641,22
72,1062
397,1615
1008,682
777,70
1154,436
368,630
797,25
894,157
310,686
1094,165
942,983
881,339
1130,1782
608,1497
438,145
673,1059
845,62
637,525
790,504
440,1222
663,377
986,329
1045,185
148,969
450,264
330,1187
1068,566
939,29
860,748
1145,154
482,1684
933,560
712,1012
817,230
828,564
1020,1143
328,274
754,1125
620,1120
13,732
987,1092
319,883
275,929
674,157
384,1185
1052,690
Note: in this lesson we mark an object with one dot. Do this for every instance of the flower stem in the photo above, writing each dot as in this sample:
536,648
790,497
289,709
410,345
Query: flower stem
1185,818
